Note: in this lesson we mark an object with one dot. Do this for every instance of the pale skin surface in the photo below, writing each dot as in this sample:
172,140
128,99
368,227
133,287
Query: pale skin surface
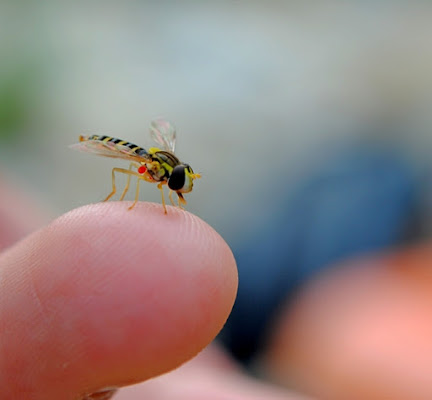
105,297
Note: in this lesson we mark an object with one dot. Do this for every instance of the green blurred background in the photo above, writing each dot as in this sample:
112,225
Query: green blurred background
257,91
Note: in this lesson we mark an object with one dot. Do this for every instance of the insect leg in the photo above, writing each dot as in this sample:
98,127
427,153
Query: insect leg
160,187
171,199
113,186
136,194
181,200
123,171
136,165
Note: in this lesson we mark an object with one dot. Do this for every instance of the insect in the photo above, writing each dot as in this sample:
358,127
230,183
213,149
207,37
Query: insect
156,165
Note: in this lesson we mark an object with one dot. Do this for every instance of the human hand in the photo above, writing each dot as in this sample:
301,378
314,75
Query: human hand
103,297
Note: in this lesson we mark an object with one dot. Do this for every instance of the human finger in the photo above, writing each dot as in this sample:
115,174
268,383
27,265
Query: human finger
361,330
105,297
212,375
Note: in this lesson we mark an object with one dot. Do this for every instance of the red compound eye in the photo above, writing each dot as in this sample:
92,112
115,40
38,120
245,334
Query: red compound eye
142,169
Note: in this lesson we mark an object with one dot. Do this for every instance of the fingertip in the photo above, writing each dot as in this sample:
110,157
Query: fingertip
118,296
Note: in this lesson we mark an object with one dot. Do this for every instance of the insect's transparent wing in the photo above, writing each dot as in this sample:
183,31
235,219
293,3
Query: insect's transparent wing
108,150
164,134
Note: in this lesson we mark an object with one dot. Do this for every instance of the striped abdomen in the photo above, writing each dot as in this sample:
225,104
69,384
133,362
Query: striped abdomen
118,142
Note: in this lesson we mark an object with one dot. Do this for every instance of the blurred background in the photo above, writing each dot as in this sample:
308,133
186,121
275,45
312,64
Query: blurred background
310,123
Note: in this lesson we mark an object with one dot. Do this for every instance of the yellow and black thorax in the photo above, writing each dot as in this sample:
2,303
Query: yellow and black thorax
165,166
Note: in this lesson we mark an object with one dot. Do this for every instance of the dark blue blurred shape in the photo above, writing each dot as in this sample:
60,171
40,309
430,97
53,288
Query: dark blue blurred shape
359,201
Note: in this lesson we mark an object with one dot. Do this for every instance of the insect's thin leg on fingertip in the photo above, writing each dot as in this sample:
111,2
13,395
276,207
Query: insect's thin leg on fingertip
181,201
123,171
132,164
114,189
160,187
136,194
171,199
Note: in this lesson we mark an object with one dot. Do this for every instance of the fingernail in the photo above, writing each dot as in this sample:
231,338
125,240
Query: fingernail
103,394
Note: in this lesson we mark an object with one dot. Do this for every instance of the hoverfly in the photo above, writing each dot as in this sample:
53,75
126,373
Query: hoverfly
156,165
